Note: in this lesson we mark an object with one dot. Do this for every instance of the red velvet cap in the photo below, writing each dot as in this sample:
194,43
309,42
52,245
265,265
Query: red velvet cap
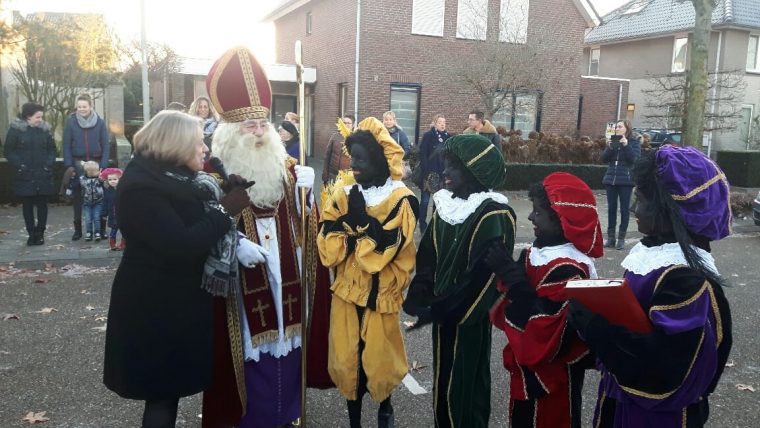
238,86
575,204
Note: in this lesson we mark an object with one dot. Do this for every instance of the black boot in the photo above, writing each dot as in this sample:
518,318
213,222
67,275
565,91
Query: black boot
620,241
103,224
610,242
39,236
355,413
77,231
32,236
385,414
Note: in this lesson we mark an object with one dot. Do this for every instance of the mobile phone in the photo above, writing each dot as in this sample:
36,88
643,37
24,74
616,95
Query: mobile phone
616,138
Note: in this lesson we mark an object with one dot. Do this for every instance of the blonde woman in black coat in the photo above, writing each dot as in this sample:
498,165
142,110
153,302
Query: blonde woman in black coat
30,150
159,338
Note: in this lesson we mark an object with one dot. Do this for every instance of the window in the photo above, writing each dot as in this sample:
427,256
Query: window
513,21
752,53
427,17
308,23
745,122
342,98
675,116
593,62
472,19
679,54
520,111
405,102
282,104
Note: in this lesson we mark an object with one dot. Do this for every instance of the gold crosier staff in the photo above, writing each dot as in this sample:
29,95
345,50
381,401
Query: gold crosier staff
304,285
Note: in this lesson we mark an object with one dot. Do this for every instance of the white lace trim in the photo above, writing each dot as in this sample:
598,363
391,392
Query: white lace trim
642,259
456,210
377,194
544,256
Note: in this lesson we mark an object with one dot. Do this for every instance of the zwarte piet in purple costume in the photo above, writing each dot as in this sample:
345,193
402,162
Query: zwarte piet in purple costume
664,378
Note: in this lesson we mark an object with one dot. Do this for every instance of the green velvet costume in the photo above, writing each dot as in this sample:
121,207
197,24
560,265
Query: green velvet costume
456,289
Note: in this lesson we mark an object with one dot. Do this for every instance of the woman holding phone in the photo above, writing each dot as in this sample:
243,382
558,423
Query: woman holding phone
622,151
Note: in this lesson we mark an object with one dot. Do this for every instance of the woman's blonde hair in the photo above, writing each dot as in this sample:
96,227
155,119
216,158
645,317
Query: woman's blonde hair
211,110
171,136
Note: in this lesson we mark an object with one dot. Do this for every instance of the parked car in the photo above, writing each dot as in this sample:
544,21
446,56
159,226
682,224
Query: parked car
661,138
756,210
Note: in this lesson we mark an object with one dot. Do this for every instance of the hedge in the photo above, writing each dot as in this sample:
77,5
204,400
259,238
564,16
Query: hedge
521,175
742,168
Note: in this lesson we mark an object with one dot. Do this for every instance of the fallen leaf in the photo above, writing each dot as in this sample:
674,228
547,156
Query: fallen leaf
101,328
46,311
34,417
408,323
57,247
416,366
101,318
742,387
49,266
90,308
730,363
42,280
7,317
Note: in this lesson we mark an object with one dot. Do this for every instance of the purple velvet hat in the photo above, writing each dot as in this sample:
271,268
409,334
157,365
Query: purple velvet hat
699,187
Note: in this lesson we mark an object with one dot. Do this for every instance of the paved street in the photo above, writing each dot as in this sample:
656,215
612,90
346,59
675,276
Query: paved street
55,299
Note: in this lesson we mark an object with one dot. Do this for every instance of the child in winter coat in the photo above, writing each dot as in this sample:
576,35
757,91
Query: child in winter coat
92,198
110,178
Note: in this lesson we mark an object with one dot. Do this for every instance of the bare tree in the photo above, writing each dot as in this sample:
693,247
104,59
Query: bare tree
45,71
666,101
162,61
696,76
506,57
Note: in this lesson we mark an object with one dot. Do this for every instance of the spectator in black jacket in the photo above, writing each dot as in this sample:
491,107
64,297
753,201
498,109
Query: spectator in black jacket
622,151
30,151
431,165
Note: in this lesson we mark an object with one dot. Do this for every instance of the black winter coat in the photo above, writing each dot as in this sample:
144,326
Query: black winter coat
159,337
31,153
620,162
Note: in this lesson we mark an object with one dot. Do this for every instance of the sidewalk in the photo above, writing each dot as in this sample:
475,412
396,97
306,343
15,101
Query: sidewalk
60,248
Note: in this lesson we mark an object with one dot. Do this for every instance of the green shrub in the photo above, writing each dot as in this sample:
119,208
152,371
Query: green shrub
741,168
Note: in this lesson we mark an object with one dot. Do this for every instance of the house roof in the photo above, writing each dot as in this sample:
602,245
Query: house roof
640,19
275,72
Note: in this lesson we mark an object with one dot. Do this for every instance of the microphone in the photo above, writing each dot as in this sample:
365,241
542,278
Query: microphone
218,166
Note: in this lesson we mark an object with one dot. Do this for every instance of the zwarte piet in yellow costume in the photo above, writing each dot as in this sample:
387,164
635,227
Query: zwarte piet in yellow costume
366,236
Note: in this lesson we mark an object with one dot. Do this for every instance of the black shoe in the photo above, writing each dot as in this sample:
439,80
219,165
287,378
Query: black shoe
39,236
30,240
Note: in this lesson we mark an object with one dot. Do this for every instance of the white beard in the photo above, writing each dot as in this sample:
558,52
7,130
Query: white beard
264,164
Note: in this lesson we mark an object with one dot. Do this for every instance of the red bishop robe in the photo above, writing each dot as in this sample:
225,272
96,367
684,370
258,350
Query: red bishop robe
224,402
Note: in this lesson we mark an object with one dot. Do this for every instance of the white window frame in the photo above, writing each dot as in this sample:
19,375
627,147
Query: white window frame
472,21
309,28
756,68
513,21
591,60
673,67
428,17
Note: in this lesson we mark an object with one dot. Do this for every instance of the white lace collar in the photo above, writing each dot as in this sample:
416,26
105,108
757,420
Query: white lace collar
545,255
377,194
456,210
642,259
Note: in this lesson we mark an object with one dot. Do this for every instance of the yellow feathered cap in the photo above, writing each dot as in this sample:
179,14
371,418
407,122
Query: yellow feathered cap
394,154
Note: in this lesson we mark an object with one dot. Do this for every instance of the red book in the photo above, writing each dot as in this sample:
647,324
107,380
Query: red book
612,299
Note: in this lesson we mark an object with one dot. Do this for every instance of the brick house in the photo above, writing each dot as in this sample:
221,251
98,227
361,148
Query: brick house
646,38
404,48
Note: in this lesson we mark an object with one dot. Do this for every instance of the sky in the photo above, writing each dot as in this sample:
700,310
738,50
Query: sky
194,28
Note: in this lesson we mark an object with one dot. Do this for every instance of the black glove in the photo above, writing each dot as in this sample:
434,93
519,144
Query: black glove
501,263
235,201
579,316
357,208
424,318
235,180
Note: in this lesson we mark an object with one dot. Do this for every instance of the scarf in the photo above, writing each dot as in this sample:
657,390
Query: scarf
89,121
220,271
